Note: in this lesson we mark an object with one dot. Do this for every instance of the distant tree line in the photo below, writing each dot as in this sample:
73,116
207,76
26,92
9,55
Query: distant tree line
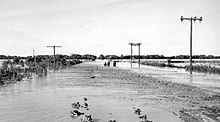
196,57
59,57
61,60
39,58
11,57
158,57
86,56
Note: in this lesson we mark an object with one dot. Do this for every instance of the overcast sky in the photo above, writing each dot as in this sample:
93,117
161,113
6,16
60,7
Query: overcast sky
108,26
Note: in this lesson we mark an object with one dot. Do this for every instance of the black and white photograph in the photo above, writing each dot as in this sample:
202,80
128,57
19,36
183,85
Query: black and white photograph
109,60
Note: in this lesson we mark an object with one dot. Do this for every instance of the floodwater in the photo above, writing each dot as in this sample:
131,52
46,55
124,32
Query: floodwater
202,80
49,98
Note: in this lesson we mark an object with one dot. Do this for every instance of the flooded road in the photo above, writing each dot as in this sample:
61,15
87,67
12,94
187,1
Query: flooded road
49,98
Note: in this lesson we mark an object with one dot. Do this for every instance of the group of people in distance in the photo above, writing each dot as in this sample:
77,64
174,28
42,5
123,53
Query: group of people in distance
108,63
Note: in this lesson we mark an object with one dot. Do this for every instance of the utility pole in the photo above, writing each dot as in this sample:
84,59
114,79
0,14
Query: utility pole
139,53
131,53
34,57
33,52
191,19
54,54
135,44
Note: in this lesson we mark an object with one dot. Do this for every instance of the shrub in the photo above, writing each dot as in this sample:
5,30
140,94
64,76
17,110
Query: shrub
203,68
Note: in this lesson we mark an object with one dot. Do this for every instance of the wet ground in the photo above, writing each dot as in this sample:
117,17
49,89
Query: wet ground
113,93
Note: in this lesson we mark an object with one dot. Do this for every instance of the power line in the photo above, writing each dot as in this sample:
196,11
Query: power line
191,19
54,54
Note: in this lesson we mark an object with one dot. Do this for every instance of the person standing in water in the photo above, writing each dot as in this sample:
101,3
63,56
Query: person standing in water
108,63
114,63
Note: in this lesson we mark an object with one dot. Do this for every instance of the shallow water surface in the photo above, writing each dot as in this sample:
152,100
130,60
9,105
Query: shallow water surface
203,80
49,98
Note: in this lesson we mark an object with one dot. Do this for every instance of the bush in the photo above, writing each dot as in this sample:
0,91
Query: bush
203,68
158,64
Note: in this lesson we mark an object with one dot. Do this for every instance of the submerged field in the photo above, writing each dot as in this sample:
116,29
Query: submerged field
112,92
181,62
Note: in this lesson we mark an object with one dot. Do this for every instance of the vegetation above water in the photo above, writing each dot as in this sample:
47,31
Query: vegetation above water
158,64
16,69
204,68
157,57
195,68
43,62
93,57
11,73
40,63
58,56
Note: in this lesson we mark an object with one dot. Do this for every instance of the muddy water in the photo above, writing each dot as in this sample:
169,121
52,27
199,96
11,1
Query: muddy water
49,98
206,81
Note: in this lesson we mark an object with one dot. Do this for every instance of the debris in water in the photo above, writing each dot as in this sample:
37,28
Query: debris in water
75,113
143,118
85,99
137,111
76,105
85,105
112,121
87,118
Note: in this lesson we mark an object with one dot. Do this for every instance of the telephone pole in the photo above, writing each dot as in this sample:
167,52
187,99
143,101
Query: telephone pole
191,19
33,52
34,56
136,44
54,54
